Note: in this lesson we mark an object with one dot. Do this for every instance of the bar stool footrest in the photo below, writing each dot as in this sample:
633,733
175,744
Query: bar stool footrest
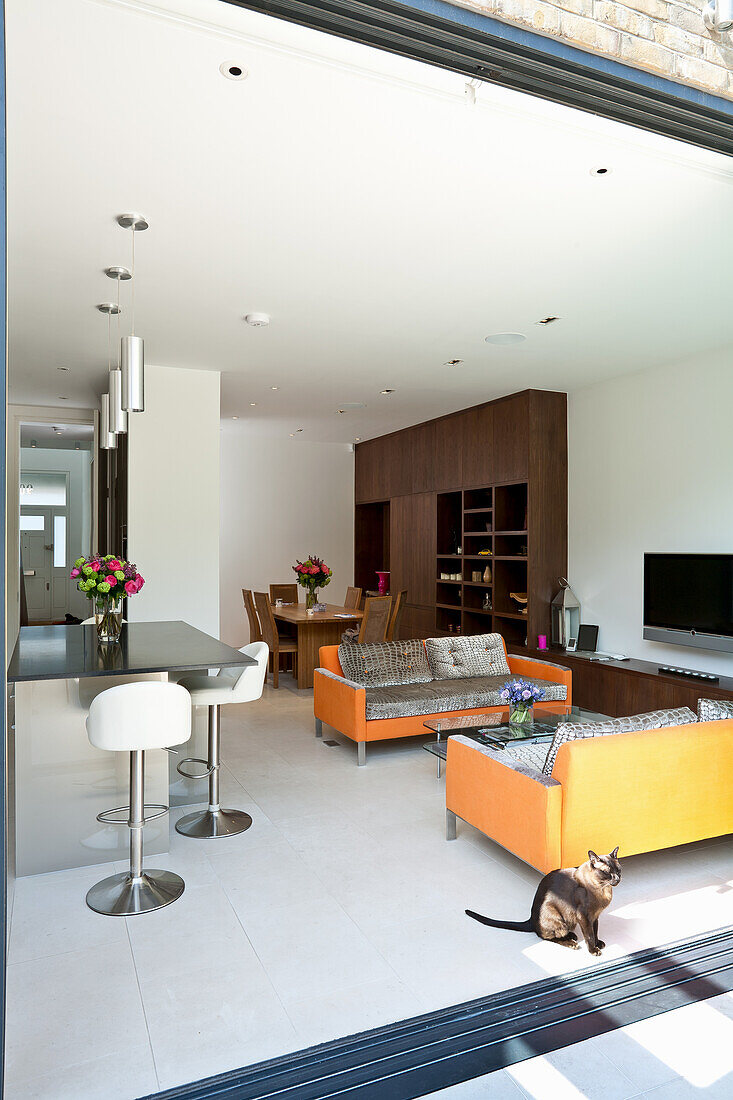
106,817
196,775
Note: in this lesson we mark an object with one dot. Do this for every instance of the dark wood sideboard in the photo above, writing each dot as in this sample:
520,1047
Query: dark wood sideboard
620,688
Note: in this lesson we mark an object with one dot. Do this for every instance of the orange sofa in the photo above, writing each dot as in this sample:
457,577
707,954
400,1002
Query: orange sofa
641,791
341,703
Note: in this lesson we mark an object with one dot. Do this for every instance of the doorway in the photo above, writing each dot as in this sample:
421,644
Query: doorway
55,519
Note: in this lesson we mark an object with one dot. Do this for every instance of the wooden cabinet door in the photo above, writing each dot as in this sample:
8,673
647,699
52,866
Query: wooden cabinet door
511,439
477,440
422,446
412,547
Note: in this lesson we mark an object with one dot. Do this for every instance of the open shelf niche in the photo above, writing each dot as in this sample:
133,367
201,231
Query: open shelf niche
489,526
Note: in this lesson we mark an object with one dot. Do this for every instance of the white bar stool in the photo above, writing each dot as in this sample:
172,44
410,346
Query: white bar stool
231,685
132,718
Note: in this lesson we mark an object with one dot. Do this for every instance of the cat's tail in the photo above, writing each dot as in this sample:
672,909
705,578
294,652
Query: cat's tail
512,925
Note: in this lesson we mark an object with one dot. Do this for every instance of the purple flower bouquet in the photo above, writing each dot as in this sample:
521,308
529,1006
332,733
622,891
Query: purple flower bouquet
520,696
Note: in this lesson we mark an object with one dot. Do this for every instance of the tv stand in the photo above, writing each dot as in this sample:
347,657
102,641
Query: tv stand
620,688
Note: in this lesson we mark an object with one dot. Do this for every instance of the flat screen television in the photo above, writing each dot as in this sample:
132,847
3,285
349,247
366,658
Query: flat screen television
688,599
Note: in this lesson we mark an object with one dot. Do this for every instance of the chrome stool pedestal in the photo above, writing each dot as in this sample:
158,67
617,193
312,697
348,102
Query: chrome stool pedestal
214,821
134,891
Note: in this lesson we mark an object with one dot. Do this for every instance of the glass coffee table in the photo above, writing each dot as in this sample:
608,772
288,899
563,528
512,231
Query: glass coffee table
496,731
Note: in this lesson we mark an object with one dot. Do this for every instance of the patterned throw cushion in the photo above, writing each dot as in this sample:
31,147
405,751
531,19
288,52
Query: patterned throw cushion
710,710
654,720
475,655
441,696
386,663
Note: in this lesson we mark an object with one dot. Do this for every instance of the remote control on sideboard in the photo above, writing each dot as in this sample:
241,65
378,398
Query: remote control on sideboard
708,677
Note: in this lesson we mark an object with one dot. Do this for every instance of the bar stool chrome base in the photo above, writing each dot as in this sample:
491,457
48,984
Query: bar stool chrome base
122,896
205,824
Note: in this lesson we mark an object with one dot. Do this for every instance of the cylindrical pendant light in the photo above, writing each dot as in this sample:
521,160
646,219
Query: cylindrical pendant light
133,374
117,415
107,438
132,348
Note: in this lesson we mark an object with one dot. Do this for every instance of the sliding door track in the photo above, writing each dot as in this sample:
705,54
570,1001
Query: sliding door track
483,47
439,1049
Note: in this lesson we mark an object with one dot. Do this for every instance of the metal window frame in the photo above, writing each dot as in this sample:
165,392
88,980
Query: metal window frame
399,1062
483,47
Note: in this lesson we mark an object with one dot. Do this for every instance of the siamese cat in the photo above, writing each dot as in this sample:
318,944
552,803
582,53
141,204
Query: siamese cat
566,898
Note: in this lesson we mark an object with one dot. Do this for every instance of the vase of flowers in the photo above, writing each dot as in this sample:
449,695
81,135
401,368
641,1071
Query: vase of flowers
312,574
520,696
107,581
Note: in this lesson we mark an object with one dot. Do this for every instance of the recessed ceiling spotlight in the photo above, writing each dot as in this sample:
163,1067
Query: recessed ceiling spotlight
358,439
252,404
299,429
64,369
232,70
62,399
58,431
34,443
386,392
504,339
235,418
600,171
292,435
547,320
257,320
274,387
453,363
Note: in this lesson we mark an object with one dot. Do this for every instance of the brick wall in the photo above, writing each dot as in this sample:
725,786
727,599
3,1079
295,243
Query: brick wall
666,37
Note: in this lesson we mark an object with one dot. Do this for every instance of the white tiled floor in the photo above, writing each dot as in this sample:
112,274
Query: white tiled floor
339,910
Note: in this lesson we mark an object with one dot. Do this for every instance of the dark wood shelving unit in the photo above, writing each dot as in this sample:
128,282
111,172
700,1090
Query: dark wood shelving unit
490,477
509,572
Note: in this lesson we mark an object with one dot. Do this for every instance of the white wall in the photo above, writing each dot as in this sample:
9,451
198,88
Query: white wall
173,498
651,469
281,499
78,466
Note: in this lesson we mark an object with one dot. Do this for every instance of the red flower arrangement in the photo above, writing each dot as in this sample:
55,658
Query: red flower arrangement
313,573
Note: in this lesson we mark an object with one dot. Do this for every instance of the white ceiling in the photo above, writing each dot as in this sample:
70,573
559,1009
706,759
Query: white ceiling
58,437
385,223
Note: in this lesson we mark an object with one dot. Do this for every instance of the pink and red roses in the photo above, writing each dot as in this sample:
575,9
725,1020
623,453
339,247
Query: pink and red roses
106,578
313,573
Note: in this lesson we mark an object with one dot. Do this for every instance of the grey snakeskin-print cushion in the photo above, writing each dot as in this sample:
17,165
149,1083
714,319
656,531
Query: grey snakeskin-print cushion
710,710
439,696
527,759
475,655
383,664
654,720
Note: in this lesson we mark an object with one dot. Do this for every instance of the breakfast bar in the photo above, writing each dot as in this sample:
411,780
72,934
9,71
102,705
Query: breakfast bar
61,782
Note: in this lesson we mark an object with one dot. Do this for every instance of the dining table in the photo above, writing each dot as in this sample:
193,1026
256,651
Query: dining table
314,629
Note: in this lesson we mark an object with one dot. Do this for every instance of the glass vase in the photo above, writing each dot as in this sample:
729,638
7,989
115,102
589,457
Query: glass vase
520,715
311,598
108,617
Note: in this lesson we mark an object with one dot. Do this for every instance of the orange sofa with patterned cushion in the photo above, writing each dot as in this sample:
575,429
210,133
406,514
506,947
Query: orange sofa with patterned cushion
343,703
642,791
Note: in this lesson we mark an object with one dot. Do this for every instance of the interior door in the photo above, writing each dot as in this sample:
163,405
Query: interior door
35,556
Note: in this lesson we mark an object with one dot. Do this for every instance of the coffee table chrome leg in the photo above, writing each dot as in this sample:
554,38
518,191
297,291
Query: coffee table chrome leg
438,758
450,825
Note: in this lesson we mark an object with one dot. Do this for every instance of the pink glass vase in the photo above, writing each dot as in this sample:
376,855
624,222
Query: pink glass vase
383,586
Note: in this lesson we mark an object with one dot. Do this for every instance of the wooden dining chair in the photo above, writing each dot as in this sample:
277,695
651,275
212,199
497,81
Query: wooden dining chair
255,630
270,635
353,597
398,607
376,619
288,593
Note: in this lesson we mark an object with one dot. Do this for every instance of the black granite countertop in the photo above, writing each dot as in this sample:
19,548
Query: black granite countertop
66,652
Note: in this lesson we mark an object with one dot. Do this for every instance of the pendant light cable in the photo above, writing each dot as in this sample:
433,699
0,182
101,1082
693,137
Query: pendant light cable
132,304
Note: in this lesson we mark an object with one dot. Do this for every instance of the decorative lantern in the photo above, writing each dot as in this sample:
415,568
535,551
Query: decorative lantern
565,615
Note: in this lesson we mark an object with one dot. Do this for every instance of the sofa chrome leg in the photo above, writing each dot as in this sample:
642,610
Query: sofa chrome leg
361,753
319,728
450,825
